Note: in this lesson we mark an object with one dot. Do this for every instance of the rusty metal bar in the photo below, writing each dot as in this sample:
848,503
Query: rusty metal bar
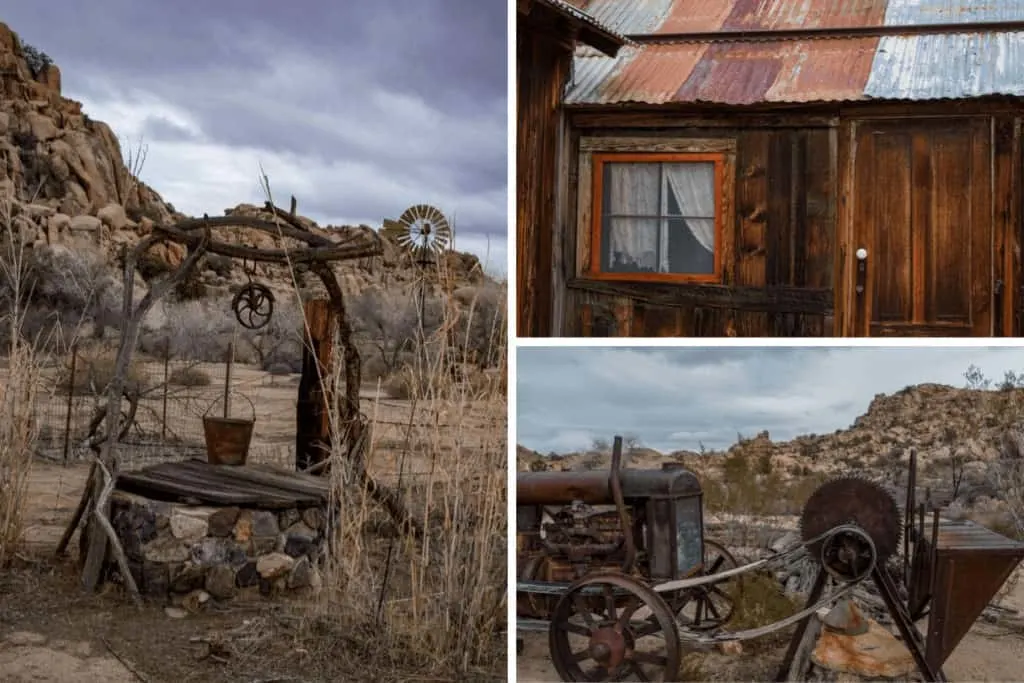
911,637
615,484
801,627
820,32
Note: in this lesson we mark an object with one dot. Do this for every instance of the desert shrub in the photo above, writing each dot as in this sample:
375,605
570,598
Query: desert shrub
221,265
400,385
37,60
389,322
190,376
94,372
762,601
280,369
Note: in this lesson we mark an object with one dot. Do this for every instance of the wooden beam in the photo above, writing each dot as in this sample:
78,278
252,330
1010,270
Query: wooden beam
775,299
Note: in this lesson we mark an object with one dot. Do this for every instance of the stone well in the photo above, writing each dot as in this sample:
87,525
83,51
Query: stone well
175,549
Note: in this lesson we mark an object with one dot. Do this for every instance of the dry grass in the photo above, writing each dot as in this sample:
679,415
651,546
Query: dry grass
18,428
438,602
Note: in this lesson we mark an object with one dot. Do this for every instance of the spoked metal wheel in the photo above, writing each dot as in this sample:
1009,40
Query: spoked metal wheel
609,627
710,606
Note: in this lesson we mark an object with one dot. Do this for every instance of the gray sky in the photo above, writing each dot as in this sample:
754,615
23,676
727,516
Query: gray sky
677,398
360,109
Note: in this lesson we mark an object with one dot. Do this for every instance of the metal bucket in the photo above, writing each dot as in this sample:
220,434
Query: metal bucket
227,438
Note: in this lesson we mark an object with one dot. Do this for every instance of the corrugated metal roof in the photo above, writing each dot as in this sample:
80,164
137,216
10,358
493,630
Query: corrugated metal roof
954,66
582,16
797,69
918,12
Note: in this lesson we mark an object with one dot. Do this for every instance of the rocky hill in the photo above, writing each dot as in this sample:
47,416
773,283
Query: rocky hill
66,184
955,432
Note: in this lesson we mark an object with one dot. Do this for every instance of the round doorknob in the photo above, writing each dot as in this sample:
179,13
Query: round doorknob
862,254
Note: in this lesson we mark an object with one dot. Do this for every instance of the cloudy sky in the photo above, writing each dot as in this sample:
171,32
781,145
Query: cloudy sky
677,398
360,109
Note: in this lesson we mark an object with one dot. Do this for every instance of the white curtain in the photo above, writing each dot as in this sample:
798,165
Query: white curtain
633,191
694,188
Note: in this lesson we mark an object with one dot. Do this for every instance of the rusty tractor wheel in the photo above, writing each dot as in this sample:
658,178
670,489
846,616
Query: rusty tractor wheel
609,627
710,606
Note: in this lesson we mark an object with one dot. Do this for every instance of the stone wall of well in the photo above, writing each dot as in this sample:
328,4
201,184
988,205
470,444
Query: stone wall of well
175,549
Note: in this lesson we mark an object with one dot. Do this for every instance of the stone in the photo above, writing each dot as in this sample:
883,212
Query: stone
874,654
222,521
86,224
220,582
156,578
248,575
243,527
195,601
274,565
211,551
313,518
187,577
113,216
175,612
43,127
5,122
264,524
733,648
288,517
25,639
190,524
301,574
58,223
299,546
165,549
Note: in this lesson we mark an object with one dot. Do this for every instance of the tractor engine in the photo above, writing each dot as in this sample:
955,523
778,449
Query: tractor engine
561,543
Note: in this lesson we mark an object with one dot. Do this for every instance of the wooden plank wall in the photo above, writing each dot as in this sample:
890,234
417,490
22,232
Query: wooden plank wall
778,274
542,66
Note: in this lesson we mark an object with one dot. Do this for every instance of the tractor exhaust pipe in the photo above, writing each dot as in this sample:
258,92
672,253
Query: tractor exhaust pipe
615,483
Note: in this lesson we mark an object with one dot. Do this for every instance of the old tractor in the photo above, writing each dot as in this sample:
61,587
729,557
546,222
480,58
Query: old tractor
614,566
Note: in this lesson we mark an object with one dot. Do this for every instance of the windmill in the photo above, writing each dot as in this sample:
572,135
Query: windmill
423,232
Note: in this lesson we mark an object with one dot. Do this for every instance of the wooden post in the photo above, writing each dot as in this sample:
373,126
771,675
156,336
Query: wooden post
167,379
71,403
227,379
312,421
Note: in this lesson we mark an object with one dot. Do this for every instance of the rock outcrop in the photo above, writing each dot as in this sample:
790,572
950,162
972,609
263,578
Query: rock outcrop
67,183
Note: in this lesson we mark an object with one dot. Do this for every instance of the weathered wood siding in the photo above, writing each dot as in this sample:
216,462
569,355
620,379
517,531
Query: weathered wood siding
542,67
779,241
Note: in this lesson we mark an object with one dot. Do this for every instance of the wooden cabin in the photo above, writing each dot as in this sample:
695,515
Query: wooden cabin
546,35
780,168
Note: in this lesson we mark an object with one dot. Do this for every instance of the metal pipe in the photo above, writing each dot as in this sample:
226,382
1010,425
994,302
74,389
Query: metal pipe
763,35
615,483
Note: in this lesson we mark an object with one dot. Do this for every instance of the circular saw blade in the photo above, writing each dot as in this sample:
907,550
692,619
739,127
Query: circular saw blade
853,500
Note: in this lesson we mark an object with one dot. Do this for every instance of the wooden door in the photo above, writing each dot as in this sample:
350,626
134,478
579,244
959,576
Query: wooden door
922,211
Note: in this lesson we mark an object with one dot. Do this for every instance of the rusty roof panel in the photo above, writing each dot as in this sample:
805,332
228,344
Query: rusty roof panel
956,65
727,73
655,74
919,12
752,15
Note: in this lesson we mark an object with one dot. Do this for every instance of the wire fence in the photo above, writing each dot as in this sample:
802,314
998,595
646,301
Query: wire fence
172,396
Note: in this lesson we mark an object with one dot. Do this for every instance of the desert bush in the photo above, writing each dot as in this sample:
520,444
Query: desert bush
65,288
762,601
190,376
280,370
94,372
390,323
18,391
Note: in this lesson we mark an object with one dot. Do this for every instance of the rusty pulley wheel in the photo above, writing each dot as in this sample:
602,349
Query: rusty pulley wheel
610,627
853,500
710,606
253,305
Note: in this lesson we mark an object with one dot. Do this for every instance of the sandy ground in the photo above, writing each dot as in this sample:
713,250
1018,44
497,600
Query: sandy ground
987,653
51,632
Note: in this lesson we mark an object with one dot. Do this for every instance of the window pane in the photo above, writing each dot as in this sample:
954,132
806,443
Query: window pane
630,245
631,189
691,245
690,189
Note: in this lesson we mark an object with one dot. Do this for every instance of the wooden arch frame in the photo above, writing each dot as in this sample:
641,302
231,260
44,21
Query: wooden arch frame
196,234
